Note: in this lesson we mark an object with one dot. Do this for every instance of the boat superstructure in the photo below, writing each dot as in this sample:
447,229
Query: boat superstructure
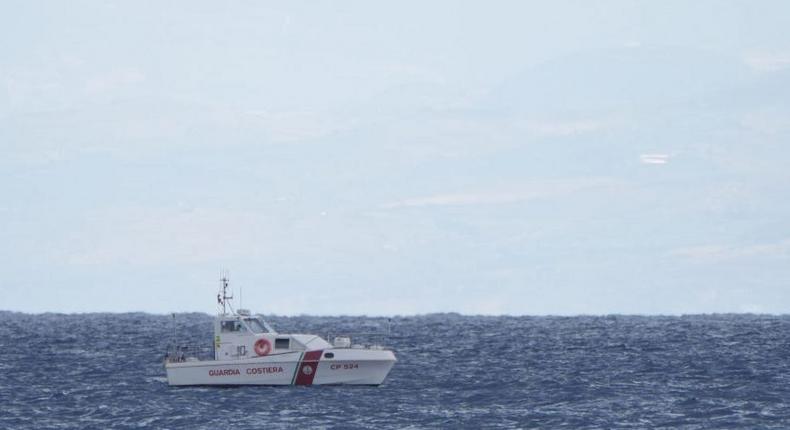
246,350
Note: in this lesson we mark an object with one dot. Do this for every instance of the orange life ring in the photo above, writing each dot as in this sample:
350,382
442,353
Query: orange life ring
263,347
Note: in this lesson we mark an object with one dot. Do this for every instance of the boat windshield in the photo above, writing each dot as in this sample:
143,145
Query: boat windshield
255,325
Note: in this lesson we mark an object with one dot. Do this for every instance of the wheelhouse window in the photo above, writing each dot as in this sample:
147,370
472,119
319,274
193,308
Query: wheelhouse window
282,343
255,325
231,326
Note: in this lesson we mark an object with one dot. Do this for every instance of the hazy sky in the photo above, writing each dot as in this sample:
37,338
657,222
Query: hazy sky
396,157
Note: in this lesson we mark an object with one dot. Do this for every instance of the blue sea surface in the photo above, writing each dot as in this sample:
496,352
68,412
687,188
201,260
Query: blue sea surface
719,371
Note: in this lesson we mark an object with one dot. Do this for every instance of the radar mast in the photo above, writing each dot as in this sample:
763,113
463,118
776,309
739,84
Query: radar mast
222,296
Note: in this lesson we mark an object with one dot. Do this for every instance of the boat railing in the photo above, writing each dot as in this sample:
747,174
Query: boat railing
177,353
358,339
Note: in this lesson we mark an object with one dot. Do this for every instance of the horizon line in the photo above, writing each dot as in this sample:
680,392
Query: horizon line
416,315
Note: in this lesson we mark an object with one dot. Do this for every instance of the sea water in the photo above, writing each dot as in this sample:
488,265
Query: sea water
718,371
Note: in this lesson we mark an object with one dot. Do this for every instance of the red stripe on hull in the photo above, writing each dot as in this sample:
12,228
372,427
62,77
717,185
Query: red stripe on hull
307,367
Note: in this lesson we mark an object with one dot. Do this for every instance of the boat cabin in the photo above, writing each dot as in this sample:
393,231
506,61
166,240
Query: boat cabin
241,335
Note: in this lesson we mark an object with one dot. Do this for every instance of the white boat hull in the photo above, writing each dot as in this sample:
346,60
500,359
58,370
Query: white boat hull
319,367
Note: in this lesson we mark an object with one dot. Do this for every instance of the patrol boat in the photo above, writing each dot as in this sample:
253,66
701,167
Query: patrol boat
248,351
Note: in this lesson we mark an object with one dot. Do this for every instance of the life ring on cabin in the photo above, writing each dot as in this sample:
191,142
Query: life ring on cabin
263,347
